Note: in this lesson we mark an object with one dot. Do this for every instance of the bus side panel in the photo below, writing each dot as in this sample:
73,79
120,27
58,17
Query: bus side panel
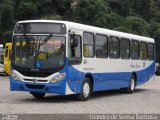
106,81
146,74
74,79
101,81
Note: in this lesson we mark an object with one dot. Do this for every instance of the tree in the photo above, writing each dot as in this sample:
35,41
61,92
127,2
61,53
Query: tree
153,28
7,20
52,17
87,11
26,10
108,20
7,17
155,10
137,25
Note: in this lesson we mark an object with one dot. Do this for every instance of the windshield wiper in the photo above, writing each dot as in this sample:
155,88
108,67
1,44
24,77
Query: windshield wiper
40,43
45,40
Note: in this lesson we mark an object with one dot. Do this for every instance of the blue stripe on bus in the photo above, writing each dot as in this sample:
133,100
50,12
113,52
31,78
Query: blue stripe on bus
101,81
106,81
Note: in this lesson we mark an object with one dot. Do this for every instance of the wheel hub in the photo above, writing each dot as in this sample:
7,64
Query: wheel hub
86,89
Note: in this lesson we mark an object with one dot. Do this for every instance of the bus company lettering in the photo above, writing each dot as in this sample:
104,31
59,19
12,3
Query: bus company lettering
88,69
85,61
134,65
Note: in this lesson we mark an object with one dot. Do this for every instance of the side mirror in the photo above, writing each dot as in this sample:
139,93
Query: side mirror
74,40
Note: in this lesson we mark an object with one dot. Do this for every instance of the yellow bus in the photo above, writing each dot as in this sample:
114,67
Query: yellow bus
7,57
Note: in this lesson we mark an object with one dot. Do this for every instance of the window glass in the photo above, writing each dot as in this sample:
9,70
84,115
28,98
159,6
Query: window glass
134,50
114,47
39,51
74,53
9,54
88,45
1,55
150,51
6,53
101,46
124,48
143,50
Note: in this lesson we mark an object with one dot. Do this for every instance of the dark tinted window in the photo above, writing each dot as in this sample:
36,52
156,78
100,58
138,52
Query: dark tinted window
113,44
6,51
150,51
75,53
143,50
101,46
88,44
9,54
134,50
124,48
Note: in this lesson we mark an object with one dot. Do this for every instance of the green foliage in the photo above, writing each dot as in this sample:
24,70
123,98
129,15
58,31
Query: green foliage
88,11
7,17
137,25
153,28
26,10
110,21
140,17
52,17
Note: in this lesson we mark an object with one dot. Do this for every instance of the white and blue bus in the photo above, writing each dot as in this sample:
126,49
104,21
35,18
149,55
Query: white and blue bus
63,57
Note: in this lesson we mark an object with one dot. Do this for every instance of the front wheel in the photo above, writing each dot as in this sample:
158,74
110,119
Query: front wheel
38,95
132,85
85,91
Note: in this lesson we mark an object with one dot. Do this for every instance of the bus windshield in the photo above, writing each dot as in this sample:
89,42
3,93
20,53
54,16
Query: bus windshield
38,51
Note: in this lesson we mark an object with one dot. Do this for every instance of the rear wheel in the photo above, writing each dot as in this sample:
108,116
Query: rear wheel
132,85
85,91
38,95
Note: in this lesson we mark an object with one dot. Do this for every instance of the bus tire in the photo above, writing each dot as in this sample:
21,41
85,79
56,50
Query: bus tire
38,95
132,85
85,91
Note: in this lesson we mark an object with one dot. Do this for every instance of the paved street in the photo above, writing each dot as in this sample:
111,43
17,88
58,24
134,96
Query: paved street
146,99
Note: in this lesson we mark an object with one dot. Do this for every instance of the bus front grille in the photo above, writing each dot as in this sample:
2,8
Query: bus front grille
31,80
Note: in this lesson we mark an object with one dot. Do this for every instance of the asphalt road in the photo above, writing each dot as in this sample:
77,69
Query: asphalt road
146,99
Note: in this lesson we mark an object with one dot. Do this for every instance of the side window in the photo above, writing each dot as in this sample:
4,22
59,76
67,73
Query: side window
9,54
88,44
150,51
101,46
143,50
114,48
124,48
134,50
6,51
75,52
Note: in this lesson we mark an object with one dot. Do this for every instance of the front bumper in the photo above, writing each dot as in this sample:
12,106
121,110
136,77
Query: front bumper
58,88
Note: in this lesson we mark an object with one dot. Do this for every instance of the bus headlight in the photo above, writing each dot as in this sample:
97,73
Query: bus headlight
58,78
15,76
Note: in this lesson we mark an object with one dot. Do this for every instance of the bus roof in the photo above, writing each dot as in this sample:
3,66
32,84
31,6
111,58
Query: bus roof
87,28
